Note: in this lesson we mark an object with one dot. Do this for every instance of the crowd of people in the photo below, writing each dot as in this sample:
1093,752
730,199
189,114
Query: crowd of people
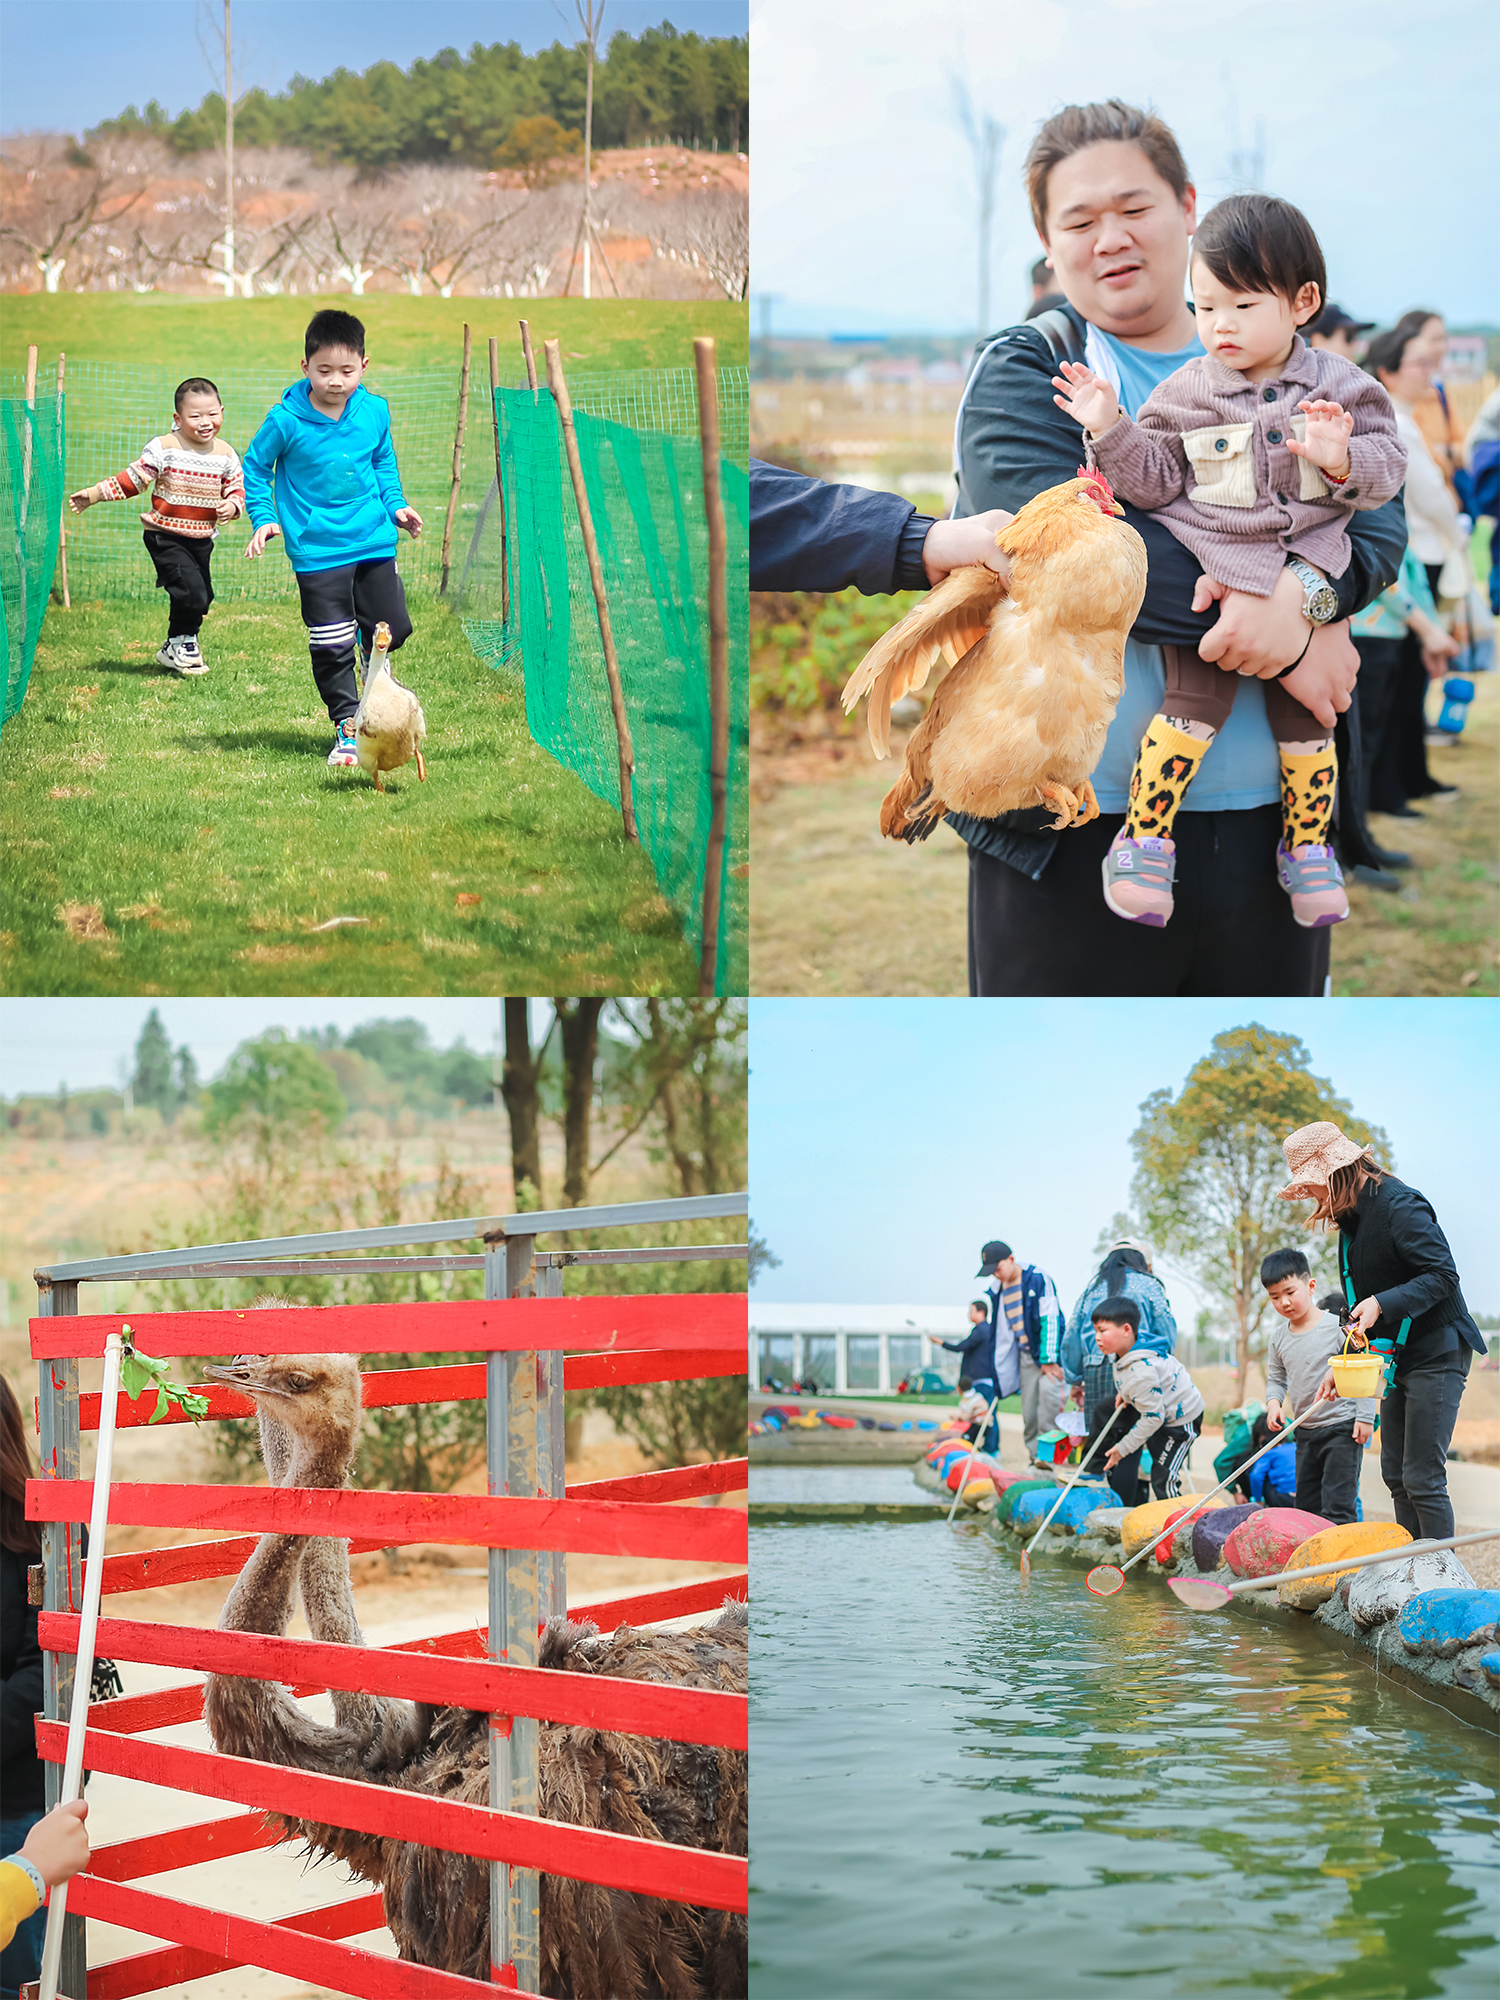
1114,1357
1338,650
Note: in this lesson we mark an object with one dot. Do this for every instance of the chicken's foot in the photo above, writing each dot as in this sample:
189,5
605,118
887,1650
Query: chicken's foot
1063,802
1088,804
421,768
378,786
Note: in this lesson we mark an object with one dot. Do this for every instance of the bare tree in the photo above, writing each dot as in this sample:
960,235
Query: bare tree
350,235
56,199
449,218
986,140
711,231
590,15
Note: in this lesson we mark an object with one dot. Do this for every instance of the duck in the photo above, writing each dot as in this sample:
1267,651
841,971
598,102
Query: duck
389,726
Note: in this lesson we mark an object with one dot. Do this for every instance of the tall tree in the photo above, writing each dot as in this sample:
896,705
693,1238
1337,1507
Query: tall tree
152,1082
1209,1167
187,1076
518,1088
579,1022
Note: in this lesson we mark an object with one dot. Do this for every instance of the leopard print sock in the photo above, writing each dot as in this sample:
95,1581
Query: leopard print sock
1308,784
1164,767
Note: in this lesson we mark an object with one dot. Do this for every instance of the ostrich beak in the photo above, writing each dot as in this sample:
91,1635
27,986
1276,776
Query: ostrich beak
241,1375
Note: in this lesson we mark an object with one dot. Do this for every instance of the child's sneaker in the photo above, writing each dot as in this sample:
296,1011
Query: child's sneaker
181,656
344,751
1138,878
1311,877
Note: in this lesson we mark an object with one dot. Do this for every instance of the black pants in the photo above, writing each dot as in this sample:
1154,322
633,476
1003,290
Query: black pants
1232,931
182,572
1328,1472
1375,692
334,603
1400,768
1416,1423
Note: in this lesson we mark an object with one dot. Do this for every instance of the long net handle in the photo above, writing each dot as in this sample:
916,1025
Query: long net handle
973,1454
1362,1562
1280,1438
83,1665
1082,1465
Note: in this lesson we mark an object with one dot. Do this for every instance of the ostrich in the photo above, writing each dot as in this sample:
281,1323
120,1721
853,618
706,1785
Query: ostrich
596,1943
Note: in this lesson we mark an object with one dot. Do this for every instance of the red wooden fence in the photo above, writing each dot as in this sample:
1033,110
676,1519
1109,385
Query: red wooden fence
672,1337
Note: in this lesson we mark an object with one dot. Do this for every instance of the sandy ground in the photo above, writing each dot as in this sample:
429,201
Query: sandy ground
406,1594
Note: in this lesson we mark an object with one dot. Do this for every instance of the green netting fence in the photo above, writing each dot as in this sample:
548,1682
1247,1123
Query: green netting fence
638,435
524,590
31,458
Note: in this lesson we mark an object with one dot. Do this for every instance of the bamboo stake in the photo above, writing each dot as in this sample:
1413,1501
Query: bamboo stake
500,482
530,358
559,387
718,663
458,463
62,541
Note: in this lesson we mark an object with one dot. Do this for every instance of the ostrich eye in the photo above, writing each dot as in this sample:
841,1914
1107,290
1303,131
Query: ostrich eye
300,1382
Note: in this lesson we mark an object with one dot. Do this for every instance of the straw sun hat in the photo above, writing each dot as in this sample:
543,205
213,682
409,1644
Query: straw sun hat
1313,1152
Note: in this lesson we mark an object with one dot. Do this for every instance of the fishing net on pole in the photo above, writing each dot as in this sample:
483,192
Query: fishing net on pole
523,587
31,460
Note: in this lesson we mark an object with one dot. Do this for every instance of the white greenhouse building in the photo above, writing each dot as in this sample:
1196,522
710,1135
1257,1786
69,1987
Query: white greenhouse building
852,1350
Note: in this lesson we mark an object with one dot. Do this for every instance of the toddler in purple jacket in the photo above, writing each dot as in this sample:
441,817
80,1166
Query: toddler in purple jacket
1254,455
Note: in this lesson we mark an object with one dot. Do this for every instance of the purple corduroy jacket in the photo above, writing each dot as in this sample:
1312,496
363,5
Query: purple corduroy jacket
1207,454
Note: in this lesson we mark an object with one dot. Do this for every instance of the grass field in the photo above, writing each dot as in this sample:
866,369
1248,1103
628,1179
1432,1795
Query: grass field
174,836
212,335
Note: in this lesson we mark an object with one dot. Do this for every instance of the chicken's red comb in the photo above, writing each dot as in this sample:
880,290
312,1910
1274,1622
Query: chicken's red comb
1098,479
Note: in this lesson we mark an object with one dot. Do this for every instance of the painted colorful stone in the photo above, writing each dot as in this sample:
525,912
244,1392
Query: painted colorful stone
1377,1595
1445,1621
1489,1666
1075,1515
1014,1492
1354,1538
1106,1523
1032,1509
1179,1547
1002,1478
1266,1542
1145,1524
964,1470
1212,1529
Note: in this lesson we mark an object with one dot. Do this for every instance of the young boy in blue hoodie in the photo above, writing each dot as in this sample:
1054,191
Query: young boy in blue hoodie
321,470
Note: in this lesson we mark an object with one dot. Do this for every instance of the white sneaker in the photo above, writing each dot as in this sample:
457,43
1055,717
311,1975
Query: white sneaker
181,656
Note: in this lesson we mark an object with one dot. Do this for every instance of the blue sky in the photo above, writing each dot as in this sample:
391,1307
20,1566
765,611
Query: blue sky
69,63
1377,121
890,1138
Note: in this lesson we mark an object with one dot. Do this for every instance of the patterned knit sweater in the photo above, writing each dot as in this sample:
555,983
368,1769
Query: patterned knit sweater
189,485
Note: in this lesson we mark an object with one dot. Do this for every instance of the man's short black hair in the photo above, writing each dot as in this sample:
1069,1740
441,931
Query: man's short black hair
195,385
1259,243
1284,1264
332,328
1333,1302
964,1384
982,1304
1119,1312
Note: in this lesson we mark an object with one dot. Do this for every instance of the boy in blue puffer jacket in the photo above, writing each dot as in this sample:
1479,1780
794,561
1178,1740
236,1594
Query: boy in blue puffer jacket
321,470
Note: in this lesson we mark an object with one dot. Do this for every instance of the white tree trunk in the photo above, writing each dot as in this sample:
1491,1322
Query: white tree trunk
52,269
445,291
414,283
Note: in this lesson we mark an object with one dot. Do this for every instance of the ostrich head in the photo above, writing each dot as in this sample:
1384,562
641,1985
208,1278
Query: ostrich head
313,1400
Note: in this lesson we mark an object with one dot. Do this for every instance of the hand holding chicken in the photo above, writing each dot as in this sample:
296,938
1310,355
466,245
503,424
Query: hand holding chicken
1037,668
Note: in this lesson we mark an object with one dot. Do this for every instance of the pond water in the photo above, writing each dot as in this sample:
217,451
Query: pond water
961,1777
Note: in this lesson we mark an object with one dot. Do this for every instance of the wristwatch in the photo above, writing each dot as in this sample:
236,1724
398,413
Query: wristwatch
1320,601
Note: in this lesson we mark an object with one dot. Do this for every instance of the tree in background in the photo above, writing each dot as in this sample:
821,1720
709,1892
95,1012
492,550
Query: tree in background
579,1022
519,1087
152,1083
269,1089
762,1256
538,149
1209,1167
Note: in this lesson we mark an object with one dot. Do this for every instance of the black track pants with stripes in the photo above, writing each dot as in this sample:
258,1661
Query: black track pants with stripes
335,604
1169,1449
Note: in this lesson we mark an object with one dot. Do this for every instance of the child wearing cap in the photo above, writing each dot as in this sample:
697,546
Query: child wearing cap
1331,1438
1167,1402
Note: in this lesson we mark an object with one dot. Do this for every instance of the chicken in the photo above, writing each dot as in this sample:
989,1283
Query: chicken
1038,668
389,726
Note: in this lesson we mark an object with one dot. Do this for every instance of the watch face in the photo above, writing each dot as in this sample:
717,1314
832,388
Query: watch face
1323,604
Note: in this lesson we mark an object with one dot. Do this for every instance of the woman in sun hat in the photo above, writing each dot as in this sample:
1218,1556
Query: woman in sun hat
1402,1292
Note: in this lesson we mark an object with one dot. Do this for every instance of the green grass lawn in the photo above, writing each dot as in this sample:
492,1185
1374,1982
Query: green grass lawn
172,836
212,335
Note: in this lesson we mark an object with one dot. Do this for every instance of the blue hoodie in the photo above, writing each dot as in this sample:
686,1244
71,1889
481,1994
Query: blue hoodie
337,489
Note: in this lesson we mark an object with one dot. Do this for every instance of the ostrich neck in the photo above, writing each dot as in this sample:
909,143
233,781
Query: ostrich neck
261,1600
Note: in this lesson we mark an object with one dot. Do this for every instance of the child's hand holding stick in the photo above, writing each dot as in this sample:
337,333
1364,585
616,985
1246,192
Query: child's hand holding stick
1086,397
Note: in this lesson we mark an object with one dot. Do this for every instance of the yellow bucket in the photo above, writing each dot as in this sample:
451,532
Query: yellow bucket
1358,1374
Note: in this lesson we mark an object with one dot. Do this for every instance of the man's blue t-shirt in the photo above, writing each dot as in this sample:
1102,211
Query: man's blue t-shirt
1240,769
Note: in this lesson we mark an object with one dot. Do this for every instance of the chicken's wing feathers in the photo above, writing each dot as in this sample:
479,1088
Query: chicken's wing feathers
949,621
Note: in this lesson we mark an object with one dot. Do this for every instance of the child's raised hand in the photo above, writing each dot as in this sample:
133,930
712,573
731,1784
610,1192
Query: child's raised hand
1329,427
84,497
260,541
1087,397
410,519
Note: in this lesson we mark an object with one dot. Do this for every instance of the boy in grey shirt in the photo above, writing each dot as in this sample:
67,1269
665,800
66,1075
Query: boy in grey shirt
1330,1442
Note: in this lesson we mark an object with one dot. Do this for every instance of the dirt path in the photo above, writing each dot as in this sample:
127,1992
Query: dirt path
838,910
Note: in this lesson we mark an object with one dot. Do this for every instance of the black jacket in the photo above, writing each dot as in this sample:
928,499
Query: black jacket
977,1352
1014,441
1395,1252
807,535
23,1783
